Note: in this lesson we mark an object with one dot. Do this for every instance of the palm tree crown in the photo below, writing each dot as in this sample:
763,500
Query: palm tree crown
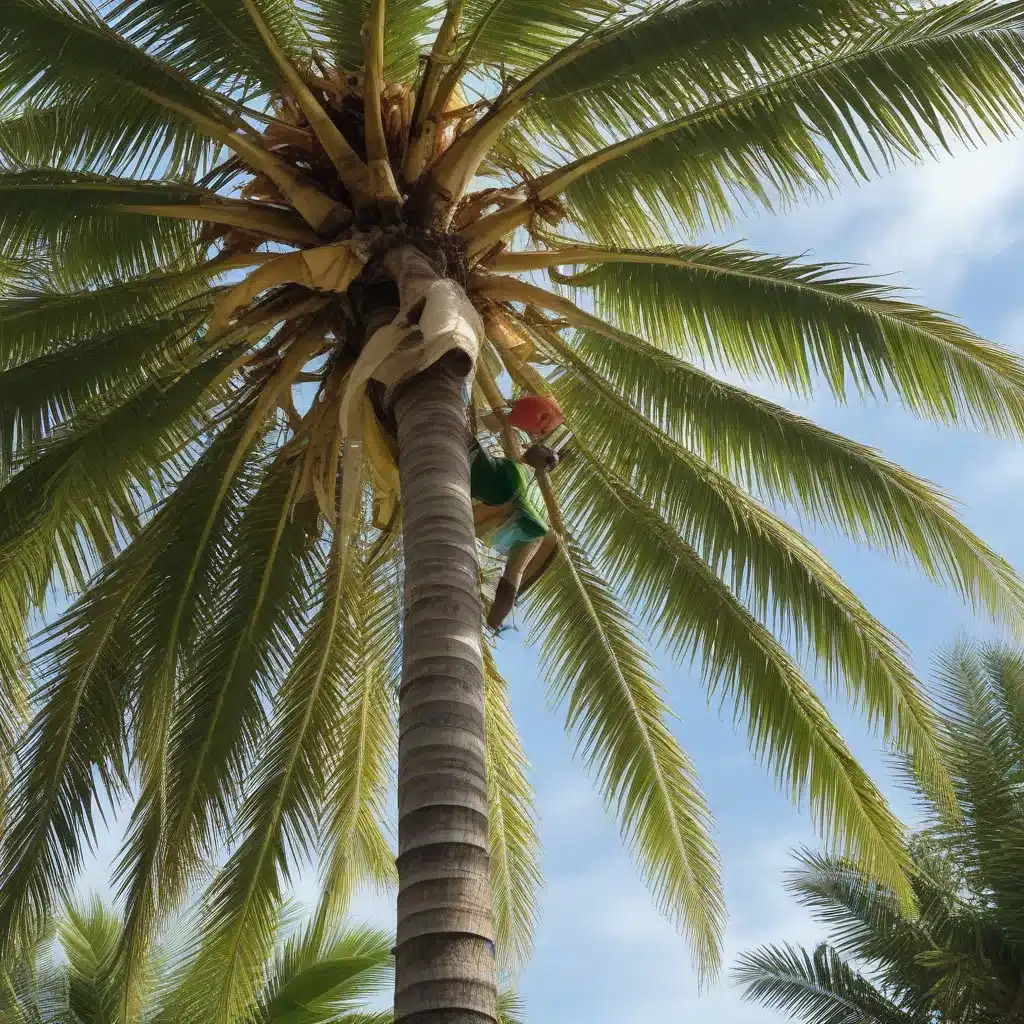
205,207
961,958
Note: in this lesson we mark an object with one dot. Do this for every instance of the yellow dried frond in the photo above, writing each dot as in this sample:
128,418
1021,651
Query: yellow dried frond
380,461
327,268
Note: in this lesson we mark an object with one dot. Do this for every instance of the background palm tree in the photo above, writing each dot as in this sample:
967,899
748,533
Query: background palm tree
210,209
962,957
317,976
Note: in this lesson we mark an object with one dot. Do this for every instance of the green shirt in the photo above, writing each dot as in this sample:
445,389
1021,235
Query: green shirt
493,481
497,481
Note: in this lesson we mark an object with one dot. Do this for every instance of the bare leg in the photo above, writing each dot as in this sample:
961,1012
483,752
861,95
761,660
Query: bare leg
508,586
540,562
486,515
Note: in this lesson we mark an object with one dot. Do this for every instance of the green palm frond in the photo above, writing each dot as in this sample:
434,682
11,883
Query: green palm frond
945,958
674,55
93,133
210,41
917,81
260,614
745,436
982,696
801,325
15,271
520,35
406,33
74,747
317,978
35,989
36,201
151,572
81,219
13,680
92,54
88,937
515,872
958,957
769,566
787,725
359,772
817,987
43,321
846,485
1004,669
42,395
598,670
313,977
73,752
280,810
864,919
511,1009
183,996
775,453
87,485
194,533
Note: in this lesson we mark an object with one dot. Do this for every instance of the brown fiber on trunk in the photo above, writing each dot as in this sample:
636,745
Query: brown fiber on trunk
444,971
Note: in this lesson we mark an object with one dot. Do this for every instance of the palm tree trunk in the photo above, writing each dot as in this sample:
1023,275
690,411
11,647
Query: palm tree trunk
444,971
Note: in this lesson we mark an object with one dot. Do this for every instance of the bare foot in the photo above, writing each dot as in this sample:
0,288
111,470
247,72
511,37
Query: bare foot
504,598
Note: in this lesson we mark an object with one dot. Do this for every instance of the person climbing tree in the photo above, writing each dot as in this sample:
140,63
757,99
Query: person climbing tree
508,515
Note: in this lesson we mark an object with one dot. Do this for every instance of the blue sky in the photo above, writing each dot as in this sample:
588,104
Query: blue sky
955,231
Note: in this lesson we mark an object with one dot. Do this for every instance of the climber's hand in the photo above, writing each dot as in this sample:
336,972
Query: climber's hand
540,457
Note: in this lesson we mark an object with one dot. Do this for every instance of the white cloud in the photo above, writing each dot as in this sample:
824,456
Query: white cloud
939,217
1011,332
925,224
996,478
605,950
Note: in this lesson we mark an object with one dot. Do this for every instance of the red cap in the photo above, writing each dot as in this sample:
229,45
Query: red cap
536,414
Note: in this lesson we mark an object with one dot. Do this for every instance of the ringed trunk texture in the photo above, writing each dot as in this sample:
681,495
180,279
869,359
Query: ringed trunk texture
444,956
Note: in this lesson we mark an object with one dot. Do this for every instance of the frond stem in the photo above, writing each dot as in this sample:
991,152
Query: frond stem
321,212
382,178
421,136
276,225
489,386
350,168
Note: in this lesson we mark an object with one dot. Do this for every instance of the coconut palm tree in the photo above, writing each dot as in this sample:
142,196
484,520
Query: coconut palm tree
961,958
256,250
